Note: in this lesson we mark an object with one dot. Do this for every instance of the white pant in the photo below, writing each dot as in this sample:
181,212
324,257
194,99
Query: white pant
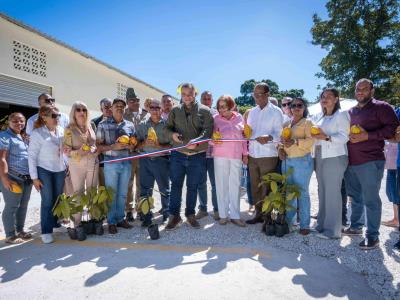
227,180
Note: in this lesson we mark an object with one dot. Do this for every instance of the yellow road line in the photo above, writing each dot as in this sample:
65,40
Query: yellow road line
159,247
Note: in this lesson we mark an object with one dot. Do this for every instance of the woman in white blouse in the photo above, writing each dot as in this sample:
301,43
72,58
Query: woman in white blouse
47,166
330,162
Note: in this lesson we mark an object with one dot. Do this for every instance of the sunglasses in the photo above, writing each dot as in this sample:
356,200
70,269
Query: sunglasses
296,105
49,100
55,116
81,109
155,107
286,104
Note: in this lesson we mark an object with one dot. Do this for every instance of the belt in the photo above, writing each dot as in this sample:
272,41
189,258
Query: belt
24,177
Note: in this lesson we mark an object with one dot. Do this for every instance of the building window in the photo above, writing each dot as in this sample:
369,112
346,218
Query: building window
121,90
29,59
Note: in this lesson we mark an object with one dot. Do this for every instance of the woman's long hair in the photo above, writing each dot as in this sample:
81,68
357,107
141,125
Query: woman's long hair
45,110
335,92
72,119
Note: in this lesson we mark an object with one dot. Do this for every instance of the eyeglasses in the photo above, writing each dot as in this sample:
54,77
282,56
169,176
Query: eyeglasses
49,100
55,116
222,107
81,109
286,104
299,105
155,108
107,107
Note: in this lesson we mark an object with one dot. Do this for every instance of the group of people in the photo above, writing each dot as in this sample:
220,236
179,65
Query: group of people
90,153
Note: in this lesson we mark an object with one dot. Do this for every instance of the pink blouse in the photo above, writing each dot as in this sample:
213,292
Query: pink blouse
229,129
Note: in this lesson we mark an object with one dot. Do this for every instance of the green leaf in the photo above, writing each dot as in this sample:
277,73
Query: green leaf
274,186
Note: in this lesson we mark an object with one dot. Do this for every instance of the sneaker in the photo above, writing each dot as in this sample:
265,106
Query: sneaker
47,238
24,235
216,216
223,221
368,244
129,217
14,240
112,229
191,220
352,232
238,222
173,222
201,214
124,224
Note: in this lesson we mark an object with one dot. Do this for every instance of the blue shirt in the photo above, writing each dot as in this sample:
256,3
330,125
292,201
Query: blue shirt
109,131
17,151
397,110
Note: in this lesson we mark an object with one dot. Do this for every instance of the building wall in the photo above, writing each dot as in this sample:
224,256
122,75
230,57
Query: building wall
71,75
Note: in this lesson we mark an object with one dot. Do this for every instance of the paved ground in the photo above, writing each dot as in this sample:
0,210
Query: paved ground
215,262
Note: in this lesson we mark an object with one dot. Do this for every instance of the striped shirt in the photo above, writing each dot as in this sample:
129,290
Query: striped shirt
109,131
17,151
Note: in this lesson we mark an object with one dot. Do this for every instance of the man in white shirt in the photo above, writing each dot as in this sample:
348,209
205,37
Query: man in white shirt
135,114
45,99
266,122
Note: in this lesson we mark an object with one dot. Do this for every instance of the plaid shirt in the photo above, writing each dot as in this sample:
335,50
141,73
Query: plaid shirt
109,131
17,151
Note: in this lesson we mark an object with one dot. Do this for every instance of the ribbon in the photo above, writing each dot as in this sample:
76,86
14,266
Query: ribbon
192,142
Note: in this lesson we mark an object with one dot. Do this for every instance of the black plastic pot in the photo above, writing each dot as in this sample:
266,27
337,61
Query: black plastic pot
281,229
89,227
98,228
72,233
80,233
153,231
270,229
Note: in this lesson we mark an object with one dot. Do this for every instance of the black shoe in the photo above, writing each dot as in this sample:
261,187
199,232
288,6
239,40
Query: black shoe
255,220
129,217
368,244
397,245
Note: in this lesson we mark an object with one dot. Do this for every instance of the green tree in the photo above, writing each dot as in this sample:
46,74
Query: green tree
362,38
247,88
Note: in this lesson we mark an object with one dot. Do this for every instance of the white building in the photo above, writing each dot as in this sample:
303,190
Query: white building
32,63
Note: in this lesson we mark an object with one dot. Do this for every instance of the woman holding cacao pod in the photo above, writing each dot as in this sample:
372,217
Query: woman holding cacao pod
15,182
80,147
295,151
331,134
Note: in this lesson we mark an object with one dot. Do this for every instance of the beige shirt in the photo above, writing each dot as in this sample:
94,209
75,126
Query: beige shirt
301,132
74,139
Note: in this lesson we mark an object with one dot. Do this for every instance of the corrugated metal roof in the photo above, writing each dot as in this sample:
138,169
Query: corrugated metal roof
20,24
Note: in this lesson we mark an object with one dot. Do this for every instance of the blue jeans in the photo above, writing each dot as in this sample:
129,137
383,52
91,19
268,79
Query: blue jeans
116,176
155,169
363,183
392,191
194,168
53,186
16,205
203,187
302,171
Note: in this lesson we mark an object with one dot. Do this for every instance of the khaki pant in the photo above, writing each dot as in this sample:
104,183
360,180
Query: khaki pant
84,175
257,168
134,176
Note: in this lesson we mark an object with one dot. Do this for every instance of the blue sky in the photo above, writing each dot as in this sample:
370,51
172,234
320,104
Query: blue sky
217,45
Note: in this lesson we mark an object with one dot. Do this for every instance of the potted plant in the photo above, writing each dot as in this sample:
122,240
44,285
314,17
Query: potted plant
276,203
97,201
66,207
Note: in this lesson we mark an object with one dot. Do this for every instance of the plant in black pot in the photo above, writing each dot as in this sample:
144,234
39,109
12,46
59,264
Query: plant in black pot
277,202
97,202
66,207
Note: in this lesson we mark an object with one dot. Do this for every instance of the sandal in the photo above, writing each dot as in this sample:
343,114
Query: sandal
24,235
14,240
